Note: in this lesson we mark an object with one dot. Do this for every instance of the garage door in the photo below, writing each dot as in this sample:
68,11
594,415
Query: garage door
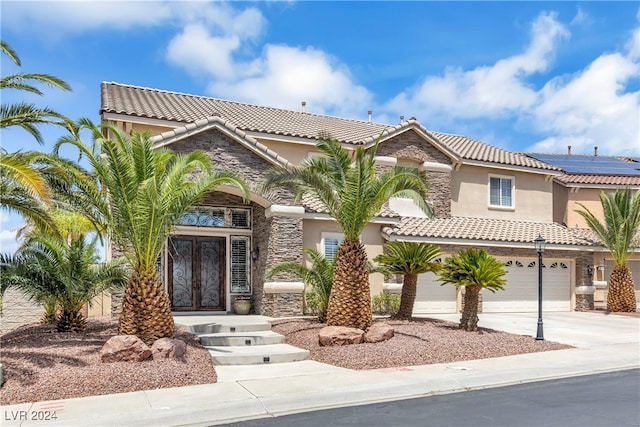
433,298
521,292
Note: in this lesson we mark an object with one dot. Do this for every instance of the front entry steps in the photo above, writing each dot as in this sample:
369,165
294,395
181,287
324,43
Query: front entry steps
242,340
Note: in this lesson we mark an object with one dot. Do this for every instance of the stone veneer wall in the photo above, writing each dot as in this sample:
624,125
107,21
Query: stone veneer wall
410,145
18,310
277,239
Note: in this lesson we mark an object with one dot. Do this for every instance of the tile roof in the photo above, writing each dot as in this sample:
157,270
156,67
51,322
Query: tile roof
314,205
183,108
190,128
616,180
495,230
471,149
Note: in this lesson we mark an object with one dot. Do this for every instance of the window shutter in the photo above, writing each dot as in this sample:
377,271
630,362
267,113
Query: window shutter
240,264
331,246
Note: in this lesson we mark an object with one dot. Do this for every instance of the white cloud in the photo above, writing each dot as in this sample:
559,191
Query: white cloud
591,109
486,91
58,18
200,52
8,243
285,76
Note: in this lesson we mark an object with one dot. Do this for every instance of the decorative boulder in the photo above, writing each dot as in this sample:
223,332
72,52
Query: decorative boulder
167,348
124,348
340,335
378,332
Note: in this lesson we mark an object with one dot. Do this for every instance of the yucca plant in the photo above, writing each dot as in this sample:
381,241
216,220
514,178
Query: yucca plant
353,192
619,234
409,259
137,195
475,270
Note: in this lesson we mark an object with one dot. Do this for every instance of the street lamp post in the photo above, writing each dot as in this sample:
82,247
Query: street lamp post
540,243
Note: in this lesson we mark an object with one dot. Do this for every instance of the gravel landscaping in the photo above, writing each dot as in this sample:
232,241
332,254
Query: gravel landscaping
416,342
41,364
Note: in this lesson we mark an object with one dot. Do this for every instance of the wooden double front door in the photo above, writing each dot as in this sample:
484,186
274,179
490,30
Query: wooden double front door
196,273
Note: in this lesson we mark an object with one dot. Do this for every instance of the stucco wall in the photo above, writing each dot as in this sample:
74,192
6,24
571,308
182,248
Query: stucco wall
470,195
371,238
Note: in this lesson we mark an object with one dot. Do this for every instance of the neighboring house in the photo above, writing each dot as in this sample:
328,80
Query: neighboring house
483,196
584,178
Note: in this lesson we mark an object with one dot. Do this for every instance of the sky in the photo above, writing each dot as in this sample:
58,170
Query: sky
523,76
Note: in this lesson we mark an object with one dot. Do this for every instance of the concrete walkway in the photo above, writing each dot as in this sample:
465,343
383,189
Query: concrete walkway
604,343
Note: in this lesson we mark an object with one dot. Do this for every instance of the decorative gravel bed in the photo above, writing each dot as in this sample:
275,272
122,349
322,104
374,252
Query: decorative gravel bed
416,342
42,364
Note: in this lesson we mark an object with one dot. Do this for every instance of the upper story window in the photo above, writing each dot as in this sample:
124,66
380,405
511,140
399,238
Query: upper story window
501,190
330,243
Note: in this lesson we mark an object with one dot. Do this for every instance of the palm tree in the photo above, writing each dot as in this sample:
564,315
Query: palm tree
138,195
353,193
409,259
474,269
22,114
63,275
319,277
619,234
23,189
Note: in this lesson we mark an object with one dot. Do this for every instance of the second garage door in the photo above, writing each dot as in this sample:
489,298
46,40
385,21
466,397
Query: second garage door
521,292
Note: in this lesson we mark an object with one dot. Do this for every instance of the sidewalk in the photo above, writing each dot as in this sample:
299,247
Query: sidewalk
604,343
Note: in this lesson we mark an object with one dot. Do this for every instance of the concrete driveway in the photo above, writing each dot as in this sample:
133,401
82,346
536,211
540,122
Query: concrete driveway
579,329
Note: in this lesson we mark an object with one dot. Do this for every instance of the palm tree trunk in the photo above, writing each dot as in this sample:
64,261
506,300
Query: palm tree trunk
146,309
469,320
621,296
350,299
408,297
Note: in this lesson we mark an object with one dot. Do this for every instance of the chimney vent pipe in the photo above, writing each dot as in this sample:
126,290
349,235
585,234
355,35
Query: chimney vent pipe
569,150
595,151
304,106
369,113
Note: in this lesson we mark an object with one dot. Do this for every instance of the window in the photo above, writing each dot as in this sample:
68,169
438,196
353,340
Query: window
217,217
501,191
240,264
330,243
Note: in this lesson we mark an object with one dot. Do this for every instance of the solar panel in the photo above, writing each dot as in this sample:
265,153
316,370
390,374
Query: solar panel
592,165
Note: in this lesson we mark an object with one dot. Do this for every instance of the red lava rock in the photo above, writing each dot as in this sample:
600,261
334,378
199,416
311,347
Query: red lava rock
123,348
167,348
339,335
378,332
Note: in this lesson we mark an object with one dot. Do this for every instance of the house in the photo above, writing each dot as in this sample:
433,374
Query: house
584,178
483,196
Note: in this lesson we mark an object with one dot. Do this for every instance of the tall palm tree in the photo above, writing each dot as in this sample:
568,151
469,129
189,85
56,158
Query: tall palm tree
474,269
26,115
319,277
138,195
353,193
63,273
409,259
619,234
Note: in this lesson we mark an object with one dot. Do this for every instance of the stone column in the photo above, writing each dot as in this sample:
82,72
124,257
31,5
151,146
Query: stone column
279,235
585,289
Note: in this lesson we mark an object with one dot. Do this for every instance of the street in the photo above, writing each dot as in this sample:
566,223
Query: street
609,399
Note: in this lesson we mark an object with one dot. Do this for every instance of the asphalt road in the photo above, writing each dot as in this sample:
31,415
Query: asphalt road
610,399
